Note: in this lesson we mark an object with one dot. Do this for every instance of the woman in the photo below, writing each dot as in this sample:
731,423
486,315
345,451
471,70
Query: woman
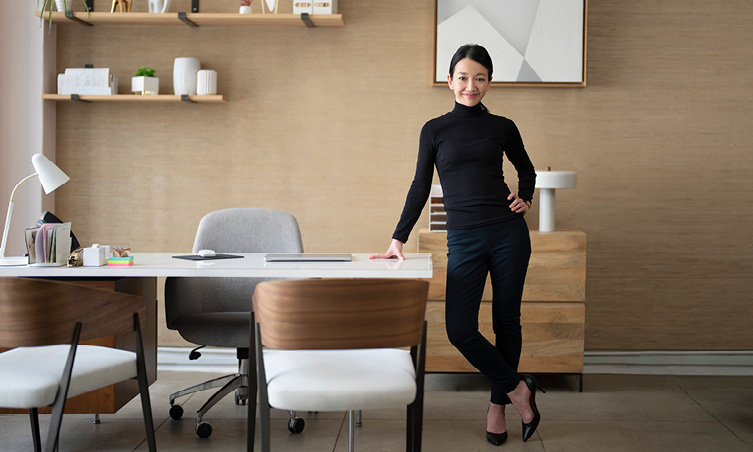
486,232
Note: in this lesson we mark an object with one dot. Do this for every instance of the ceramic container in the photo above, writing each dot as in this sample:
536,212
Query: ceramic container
185,72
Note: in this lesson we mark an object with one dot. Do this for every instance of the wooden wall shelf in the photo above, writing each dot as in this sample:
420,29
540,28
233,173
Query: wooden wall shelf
199,19
134,98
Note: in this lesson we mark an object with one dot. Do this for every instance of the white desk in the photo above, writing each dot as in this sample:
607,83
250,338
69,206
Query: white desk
416,265
141,279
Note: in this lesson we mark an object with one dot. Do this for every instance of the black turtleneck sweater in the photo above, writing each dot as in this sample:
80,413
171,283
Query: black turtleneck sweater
467,145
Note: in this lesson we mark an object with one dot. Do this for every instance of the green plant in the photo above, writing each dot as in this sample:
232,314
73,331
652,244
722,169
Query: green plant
145,72
47,6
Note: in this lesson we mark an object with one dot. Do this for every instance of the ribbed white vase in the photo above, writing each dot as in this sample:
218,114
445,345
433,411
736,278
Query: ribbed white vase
206,82
185,72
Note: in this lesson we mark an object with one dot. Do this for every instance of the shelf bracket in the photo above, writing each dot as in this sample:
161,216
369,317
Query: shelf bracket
186,20
184,98
69,15
307,20
76,98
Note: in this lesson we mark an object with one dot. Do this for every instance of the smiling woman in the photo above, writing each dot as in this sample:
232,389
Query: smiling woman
486,232
469,78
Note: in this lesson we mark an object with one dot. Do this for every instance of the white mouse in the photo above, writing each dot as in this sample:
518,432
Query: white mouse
206,253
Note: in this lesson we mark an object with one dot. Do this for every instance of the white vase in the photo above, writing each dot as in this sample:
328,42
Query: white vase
185,73
245,10
61,4
158,6
206,83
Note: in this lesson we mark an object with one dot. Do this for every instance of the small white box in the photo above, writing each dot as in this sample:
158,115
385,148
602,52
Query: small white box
325,6
145,85
303,6
95,257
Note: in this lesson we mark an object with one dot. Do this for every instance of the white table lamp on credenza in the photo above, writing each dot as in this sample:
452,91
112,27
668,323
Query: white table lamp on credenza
51,177
547,182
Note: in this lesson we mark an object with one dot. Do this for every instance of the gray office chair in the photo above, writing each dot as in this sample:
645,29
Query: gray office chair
215,311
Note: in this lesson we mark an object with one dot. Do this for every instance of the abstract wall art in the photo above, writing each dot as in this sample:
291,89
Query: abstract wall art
531,42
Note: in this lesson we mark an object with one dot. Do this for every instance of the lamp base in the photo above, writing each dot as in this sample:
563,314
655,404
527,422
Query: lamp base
15,261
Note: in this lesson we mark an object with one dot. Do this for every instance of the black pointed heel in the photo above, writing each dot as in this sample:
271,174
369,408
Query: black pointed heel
530,428
496,438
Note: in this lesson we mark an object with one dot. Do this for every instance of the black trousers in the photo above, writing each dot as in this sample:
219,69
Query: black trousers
501,250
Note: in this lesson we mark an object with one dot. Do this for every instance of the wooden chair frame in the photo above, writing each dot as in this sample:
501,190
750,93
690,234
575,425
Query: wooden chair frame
35,312
340,314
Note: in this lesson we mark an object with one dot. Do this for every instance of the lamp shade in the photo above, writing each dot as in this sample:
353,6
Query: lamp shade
50,176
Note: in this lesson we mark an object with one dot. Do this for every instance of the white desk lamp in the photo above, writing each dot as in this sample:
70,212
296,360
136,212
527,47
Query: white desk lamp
547,181
51,177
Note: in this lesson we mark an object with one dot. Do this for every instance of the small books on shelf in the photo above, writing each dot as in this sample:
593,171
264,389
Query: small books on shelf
437,215
49,244
87,81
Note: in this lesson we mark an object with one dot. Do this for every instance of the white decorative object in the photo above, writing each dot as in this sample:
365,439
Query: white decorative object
547,182
271,6
325,6
245,9
206,82
61,5
303,6
145,85
185,73
158,6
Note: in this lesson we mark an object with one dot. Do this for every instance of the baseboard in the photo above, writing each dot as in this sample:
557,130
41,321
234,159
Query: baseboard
669,362
215,360
223,360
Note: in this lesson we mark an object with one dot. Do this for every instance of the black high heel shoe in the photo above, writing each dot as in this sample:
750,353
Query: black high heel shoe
496,438
530,428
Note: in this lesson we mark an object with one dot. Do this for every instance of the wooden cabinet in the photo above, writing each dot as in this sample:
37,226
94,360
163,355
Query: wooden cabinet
552,313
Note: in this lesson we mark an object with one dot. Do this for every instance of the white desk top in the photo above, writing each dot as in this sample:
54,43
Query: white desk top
251,265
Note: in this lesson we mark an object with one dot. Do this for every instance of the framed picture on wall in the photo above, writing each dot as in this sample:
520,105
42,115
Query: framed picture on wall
532,42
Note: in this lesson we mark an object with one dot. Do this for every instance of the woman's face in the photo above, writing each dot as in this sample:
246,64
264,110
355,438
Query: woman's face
470,82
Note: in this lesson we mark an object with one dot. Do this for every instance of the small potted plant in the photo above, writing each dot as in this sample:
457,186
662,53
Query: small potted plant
245,7
61,5
144,82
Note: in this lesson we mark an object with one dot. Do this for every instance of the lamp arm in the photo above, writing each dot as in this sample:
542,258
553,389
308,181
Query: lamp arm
10,212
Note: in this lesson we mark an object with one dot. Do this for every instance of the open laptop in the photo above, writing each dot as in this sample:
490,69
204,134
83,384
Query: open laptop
307,257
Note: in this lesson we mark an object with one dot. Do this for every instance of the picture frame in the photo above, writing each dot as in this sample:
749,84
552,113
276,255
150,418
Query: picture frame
532,43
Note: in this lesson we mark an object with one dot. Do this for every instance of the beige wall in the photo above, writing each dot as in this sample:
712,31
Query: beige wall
324,124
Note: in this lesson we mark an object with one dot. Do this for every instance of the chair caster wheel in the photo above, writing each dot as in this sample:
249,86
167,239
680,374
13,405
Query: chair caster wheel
296,425
204,430
176,412
240,400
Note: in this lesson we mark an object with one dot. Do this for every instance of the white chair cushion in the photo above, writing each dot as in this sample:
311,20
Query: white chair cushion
29,376
337,380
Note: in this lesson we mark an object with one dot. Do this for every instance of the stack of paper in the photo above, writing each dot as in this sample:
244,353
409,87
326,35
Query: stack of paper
115,261
49,244
87,81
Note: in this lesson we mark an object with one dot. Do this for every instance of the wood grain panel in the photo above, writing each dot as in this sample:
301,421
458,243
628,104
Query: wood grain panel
553,338
556,271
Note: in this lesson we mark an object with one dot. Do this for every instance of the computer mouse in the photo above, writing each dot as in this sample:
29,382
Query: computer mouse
206,253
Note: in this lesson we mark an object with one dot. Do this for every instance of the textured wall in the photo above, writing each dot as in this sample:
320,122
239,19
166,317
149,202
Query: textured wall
324,124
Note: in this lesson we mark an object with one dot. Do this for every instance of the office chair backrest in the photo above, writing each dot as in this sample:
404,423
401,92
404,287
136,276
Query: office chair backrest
340,313
40,312
238,230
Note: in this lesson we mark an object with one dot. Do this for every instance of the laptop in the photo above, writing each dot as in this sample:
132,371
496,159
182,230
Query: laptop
307,257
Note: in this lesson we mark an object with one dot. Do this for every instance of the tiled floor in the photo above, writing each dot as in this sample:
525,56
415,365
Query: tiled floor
614,413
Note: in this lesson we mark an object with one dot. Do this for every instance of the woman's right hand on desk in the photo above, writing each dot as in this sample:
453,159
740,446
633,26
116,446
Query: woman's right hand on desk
395,250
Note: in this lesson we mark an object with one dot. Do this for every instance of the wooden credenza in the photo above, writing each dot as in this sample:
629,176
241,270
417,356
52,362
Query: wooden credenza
553,311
